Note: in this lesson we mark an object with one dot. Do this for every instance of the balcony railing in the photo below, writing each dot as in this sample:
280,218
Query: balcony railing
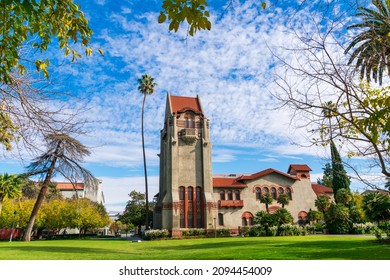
230,203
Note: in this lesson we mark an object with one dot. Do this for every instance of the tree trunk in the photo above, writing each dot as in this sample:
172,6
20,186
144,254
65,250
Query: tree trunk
145,171
40,199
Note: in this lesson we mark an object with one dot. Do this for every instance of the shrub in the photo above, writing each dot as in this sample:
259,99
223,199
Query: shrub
365,228
155,234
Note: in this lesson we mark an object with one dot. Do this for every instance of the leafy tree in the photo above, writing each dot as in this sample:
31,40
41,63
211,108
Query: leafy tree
314,216
87,215
267,200
322,203
340,178
283,199
134,213
327,178
371,46
338,219
10,186
194,12
37,23
63,156
344,197
358,113
146,87
377,206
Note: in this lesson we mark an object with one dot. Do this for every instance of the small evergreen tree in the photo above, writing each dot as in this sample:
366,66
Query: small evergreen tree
340,178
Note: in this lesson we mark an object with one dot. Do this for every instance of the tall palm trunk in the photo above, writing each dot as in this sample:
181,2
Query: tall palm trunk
145,171
40,199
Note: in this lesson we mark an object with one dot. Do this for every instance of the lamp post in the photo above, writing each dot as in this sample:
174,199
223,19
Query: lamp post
215,227
12,229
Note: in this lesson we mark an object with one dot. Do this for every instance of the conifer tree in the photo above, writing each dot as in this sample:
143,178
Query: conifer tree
340,178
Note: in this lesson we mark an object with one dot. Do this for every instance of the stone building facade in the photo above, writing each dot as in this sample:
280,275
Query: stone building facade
191,197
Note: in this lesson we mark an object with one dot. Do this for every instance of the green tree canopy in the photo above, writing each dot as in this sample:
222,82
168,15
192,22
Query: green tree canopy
10,187
38,24
340,178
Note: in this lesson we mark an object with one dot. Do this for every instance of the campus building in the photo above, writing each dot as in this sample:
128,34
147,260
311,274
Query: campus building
191,197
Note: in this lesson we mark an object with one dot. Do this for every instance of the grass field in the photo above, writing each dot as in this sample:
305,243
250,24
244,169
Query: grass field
234,248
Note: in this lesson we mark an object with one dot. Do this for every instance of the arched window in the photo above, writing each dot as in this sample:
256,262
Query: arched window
181,193
273,193
265,190
198,193
247,219
230,195
280,191
238,197
190,193
258,193
288,192
222,195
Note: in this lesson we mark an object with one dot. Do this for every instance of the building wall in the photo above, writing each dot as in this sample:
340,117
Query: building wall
302,194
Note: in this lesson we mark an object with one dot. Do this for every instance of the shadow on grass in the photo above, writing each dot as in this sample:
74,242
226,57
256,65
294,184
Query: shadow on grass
274,249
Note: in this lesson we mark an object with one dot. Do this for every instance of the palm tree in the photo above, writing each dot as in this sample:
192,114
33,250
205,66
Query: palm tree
267,200
322,203
10,187
283,199
376,206
62,156
146,87
372,43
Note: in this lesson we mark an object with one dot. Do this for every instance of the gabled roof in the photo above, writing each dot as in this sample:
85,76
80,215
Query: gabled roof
183,103
321,189
69,186
267,172
227,182
298,167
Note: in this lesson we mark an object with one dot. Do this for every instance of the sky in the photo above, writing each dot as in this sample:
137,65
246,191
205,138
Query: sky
231,68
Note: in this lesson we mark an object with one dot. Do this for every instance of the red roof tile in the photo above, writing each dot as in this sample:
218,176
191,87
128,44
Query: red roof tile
182,103
266,172
228,182
69,186
320,189
298,167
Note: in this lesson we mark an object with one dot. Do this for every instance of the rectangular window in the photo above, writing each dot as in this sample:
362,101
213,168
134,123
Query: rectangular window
220,219
182,220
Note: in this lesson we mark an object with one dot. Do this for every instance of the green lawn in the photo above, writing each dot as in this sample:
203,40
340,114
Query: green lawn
234,248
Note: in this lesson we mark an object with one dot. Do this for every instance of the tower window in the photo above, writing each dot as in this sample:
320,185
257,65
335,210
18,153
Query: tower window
198,193
181,193
190,193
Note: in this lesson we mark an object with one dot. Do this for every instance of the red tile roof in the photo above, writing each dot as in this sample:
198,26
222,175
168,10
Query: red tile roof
266,172
298,167
182,103
227,182
69,186
320,189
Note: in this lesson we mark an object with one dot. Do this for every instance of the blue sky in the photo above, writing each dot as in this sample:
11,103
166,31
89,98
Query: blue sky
230,67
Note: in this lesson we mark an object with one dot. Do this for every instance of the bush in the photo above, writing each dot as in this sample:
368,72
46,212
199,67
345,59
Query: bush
154,234
366,228
289,230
